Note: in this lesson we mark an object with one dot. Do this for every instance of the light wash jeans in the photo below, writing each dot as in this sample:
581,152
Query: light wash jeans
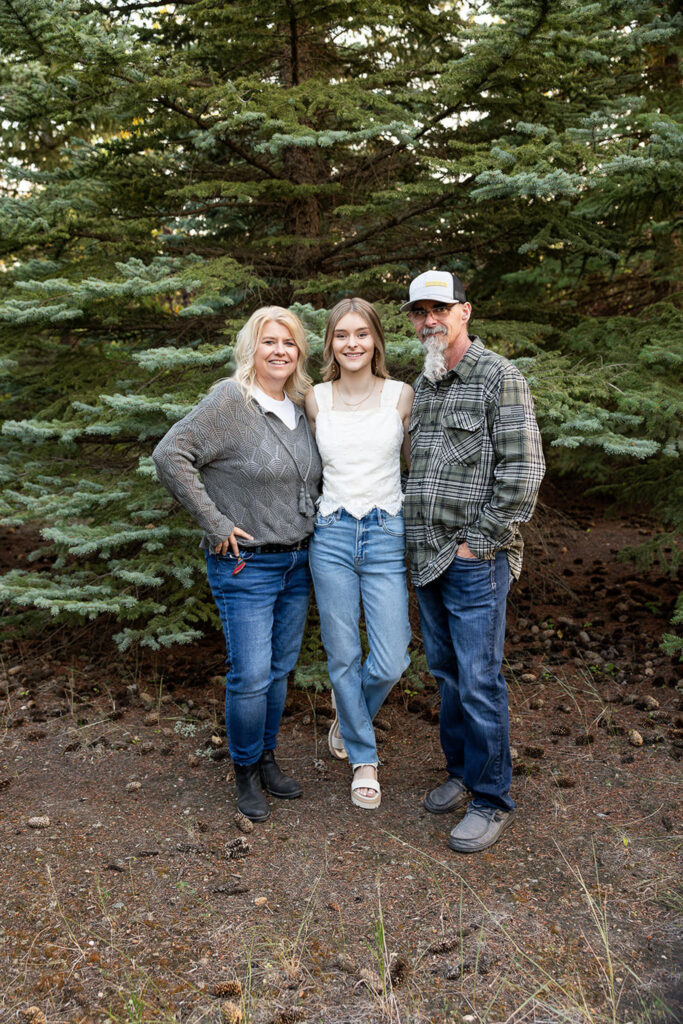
263,612
462,614
354,560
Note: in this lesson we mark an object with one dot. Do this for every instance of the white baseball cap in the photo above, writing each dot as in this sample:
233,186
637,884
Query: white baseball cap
435,286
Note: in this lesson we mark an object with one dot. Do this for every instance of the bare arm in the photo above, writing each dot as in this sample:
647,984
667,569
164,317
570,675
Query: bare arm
405,405
311,408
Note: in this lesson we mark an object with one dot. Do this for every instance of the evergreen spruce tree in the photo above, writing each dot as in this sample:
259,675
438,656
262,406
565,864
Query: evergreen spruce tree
167,169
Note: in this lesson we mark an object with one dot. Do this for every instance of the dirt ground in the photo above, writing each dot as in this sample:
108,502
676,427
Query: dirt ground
130,894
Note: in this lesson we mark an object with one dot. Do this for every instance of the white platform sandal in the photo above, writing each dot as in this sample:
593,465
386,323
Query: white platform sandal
334,737
372,784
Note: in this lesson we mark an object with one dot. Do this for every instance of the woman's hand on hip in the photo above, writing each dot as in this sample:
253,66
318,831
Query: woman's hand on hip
231,542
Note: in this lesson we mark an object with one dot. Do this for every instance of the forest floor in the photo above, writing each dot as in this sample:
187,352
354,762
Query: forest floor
136,897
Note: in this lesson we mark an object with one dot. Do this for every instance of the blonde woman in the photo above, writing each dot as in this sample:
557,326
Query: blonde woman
357,554
260,475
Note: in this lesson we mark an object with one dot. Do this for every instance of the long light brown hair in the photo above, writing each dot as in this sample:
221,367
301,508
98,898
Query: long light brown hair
330,368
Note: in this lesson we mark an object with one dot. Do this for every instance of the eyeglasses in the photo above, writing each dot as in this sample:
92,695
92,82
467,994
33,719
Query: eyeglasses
439,309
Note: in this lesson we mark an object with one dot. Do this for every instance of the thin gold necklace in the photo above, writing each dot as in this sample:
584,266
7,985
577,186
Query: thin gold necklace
354,405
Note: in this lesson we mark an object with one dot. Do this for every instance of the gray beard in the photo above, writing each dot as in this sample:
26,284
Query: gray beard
435,341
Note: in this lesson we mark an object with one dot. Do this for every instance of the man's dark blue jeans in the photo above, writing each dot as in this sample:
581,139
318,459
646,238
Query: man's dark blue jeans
462,614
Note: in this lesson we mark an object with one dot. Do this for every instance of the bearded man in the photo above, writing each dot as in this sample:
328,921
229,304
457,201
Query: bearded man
476,466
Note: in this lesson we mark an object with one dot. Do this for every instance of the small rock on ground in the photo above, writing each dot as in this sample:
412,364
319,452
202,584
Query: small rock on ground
39,821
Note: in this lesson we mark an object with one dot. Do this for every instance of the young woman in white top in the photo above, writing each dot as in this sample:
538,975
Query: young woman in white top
357,553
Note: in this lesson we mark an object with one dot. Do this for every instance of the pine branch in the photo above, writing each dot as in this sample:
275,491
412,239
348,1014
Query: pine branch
473,87
133,8
393,222
170,104
29,32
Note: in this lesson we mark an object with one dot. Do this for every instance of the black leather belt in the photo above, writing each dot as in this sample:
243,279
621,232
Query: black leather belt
265,549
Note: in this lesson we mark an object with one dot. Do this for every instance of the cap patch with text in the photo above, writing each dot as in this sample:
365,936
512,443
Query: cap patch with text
435,286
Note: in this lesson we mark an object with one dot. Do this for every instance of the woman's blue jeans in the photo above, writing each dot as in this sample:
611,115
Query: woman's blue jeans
263,611
462,614
354,560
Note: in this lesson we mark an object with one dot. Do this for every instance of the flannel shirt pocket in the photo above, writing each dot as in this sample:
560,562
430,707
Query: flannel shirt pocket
462,438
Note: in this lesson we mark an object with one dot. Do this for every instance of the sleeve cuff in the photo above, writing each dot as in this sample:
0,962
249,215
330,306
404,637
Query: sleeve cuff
219,532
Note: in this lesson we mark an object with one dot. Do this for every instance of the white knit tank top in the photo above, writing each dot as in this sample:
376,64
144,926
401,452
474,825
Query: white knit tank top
361,453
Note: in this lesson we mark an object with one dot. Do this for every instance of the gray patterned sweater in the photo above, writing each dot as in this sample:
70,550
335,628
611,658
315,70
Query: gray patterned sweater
230,464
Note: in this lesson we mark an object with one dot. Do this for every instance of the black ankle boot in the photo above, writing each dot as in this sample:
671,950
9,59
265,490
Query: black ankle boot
250,797
276,782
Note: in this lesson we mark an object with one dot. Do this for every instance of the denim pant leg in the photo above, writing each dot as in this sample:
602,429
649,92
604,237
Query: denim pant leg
350,557
384,593
337,594
470,600
443,664
289,623
263,612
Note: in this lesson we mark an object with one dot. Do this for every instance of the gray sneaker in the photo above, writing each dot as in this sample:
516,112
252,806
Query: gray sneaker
481,827
450,795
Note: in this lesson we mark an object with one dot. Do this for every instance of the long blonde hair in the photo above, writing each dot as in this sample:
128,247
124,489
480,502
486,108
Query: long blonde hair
330,368
247,341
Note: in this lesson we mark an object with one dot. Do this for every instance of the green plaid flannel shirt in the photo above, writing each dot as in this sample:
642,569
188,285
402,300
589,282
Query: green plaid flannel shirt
476,464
